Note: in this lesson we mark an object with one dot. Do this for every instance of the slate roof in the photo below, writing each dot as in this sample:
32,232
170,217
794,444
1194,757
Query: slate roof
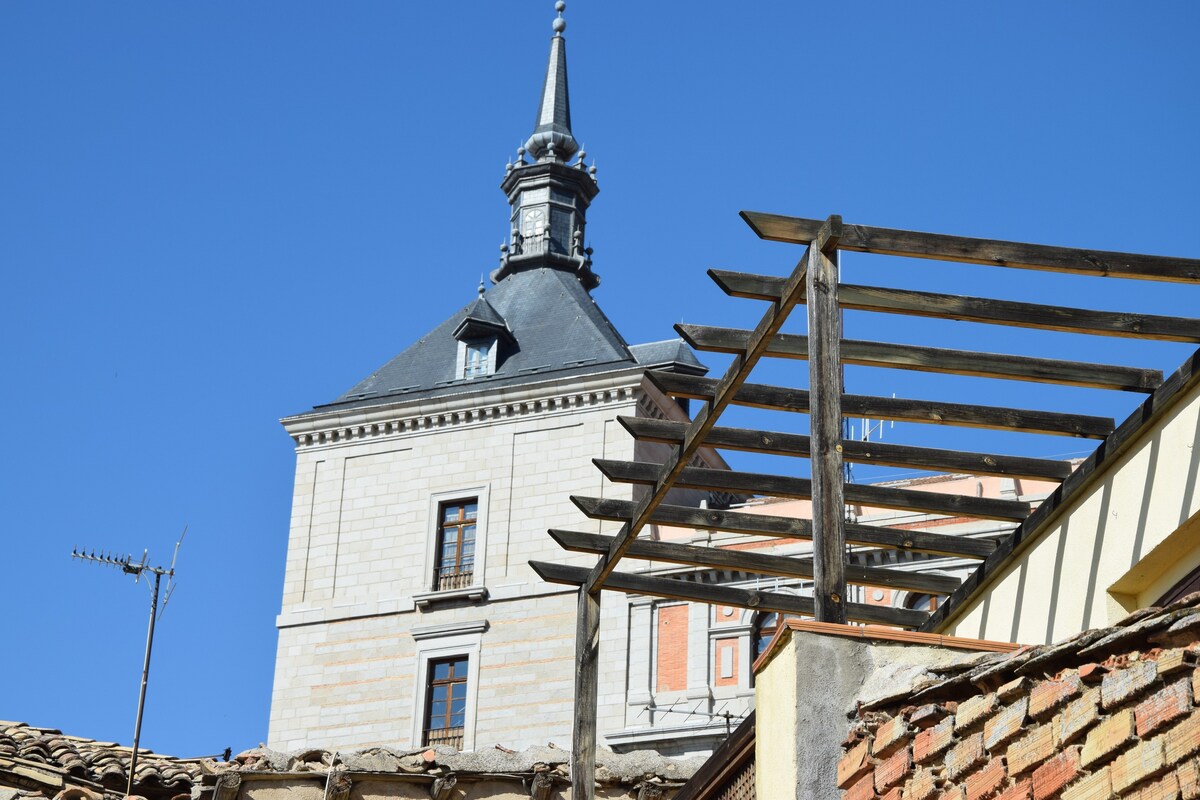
557,330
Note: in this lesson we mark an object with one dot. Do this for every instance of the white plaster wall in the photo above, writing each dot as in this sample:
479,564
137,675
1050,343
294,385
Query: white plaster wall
1061,584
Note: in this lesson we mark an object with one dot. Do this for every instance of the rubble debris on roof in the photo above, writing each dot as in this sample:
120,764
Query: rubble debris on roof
1107,713
550,763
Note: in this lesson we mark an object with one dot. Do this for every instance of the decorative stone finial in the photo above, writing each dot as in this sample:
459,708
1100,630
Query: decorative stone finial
560,24
502,249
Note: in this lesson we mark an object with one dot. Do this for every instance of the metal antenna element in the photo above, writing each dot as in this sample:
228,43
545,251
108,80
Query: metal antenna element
137,569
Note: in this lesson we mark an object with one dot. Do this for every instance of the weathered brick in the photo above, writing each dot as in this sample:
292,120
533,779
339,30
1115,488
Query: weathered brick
973,710
1189,780
1032,749
964,756
1020,790
1049,695
894,794
1079,715
928,715
1005,725
1171,661
888,736
862,789
1097,786
1018,687
1163,706
929,743
953,793
1196,682
853,765
1107,737
922,785
1055,774
1124,684
1165,789
1092,673
1183,739
1140,762
983,783
893,770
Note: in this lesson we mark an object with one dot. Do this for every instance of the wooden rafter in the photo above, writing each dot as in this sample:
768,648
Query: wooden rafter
916,541
979,309
892,455
992,252
724,595
938,359
752,562
934,412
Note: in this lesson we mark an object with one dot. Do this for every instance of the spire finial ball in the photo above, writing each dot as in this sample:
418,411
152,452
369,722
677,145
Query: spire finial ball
560,24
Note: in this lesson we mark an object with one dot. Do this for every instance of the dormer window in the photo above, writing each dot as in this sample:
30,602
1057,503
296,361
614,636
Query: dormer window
479,336
476,362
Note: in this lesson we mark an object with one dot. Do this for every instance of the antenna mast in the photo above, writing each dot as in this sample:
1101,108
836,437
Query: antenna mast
137,569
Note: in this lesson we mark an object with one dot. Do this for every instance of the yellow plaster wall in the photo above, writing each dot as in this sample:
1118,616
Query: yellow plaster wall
1128,533
775,724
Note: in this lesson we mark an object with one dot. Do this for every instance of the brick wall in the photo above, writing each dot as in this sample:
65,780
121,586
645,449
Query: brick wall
1124,726
672,651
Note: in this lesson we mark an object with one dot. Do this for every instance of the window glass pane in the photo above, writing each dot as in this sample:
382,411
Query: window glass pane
472,510
437,714
468,532
450,513
456,720
441,671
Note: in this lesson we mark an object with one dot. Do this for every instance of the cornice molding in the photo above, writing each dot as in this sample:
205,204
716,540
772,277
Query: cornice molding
341,427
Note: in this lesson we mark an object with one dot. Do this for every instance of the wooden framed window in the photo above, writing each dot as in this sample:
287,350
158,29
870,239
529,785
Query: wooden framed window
455,562
446,701
476,365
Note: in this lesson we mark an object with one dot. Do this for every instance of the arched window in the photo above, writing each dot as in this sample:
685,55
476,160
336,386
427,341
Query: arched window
921,602
766,624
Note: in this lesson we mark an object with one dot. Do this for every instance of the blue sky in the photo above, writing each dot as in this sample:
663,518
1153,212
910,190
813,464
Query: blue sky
214,215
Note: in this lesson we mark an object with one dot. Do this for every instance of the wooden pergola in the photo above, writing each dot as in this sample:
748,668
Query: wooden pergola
815,283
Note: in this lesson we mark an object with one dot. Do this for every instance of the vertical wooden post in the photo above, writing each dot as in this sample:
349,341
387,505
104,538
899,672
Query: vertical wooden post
825,418
587,679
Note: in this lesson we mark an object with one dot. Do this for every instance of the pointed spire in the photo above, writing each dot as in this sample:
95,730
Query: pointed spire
552,138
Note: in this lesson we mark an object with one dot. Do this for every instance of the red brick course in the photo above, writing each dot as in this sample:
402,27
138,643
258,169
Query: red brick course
1126,728
1055,774
1140,762
1049,695
1005,725
931,742
1163,706
1122,685
893,770
888,736
985,782
853,765
1032,749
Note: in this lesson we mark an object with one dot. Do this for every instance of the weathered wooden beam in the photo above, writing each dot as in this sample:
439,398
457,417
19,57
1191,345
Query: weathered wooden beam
825,422
938,359
884,453
716,519
750,561
784,486
587,694
735,375
979,309
942,247
779,398
717,594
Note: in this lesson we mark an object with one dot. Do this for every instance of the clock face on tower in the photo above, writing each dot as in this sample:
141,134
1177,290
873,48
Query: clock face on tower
533,222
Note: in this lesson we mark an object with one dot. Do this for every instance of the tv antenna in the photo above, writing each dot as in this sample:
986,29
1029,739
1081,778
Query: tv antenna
138,568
